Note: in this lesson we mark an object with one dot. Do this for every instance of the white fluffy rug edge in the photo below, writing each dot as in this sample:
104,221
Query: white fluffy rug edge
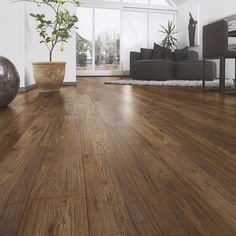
178,83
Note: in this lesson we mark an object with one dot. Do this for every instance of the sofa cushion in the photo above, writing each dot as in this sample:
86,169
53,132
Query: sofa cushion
146,53
193,70
168,55
181,54
193,55
154,70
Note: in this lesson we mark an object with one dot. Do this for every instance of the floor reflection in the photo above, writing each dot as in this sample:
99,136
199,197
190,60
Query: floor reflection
128,101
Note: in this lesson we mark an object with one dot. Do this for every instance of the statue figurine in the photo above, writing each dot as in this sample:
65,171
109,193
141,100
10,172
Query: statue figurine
192,30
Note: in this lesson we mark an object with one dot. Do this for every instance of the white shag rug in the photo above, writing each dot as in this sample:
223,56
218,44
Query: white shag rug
173,83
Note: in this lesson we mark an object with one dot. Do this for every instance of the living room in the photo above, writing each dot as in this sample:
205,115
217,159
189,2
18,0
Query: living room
117,117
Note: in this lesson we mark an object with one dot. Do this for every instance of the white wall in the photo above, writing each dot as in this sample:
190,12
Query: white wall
184,21
209,11
20,42
12,35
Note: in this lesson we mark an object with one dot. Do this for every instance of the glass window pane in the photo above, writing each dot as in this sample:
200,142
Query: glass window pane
134,34
107,39
84,39
157,19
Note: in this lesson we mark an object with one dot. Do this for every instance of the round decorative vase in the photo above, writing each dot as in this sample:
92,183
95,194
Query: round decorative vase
9,82
49,76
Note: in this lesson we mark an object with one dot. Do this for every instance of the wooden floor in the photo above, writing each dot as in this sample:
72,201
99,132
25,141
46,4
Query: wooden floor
118,160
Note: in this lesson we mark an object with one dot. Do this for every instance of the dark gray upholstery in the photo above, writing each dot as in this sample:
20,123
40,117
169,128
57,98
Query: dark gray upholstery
215,40
154,70
146,53
215,46
189,69
134,56
181,54
193,70
161,53
192,56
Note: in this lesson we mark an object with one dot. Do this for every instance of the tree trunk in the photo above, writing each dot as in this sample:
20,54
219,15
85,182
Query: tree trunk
50,56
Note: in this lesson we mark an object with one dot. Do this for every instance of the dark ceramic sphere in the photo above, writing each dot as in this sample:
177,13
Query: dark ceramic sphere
9,82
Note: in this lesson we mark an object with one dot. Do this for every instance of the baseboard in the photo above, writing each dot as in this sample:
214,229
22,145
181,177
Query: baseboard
27,88
102,73
69,83
33,86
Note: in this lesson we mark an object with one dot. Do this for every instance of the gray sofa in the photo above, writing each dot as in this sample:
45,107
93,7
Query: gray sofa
184,66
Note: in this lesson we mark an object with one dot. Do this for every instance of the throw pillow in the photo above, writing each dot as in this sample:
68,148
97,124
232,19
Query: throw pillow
181,54
162,53
157,53
146,53
168,55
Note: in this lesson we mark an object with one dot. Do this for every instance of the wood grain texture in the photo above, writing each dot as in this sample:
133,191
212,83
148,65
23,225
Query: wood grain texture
54,216
118,160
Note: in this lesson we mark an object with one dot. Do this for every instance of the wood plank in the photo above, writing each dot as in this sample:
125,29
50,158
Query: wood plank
15,193
54,216
115,206
17,107
100,159
170,199
61,173
19,169
95,139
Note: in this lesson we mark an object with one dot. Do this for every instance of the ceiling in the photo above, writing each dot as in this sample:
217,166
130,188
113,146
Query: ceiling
179,2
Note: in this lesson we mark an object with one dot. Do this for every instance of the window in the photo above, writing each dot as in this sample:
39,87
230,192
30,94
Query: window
109,29
147,2
156,19
107,39
134,34
84,38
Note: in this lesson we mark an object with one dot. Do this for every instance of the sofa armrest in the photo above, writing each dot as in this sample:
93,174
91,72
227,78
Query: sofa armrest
192,55
134,56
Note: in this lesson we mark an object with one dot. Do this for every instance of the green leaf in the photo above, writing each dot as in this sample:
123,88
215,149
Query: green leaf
169,40
32,14
60,26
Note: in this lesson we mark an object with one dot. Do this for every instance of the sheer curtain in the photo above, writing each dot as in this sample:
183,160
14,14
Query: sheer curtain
134,34
140,29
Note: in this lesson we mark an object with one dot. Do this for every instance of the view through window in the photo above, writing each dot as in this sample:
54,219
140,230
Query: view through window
107,39
105,36
104,24
84,40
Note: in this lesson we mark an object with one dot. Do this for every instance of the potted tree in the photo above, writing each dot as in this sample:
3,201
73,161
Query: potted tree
53,30
169,41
